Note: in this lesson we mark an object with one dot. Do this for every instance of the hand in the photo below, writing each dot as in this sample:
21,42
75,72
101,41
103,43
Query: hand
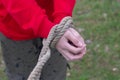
71,45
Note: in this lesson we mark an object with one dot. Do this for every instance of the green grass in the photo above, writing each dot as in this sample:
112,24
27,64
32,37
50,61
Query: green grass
99,21
2,68
100,24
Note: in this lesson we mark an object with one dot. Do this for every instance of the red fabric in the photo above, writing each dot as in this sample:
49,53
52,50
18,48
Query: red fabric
28,19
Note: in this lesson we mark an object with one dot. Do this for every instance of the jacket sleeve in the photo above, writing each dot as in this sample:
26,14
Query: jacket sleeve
30,16
62,8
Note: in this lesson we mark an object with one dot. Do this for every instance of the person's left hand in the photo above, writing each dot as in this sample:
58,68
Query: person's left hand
71,45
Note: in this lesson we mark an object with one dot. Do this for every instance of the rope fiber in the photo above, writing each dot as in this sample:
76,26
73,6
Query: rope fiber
55,34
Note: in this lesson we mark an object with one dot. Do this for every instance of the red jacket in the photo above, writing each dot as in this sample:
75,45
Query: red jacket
28,19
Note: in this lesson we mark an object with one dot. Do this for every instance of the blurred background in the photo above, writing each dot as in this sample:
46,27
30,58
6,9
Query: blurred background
98,21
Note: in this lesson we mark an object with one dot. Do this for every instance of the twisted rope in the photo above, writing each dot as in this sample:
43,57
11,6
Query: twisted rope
55,34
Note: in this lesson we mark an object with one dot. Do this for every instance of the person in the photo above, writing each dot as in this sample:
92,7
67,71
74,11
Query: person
23,25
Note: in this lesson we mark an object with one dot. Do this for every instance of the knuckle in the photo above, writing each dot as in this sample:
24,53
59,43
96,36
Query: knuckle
78,36
73,58
67,32
76,41
77,51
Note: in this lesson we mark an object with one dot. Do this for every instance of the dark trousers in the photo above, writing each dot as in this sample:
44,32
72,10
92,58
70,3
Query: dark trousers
21,56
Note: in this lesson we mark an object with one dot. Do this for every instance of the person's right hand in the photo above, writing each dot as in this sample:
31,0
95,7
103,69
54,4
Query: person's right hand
71,45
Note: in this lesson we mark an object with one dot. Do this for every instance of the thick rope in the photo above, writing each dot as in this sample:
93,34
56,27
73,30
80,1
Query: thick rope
55,34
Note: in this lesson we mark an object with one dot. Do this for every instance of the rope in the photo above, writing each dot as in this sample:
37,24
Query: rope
55,34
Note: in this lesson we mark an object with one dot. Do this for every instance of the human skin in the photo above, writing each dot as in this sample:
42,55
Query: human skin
71,45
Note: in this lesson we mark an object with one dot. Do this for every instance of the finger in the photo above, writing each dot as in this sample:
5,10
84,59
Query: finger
79,56
83,51
73,49
72,38
65,55
78,36
70,57
74,32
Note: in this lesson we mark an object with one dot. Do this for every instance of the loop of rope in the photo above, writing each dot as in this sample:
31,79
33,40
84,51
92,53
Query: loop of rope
55,34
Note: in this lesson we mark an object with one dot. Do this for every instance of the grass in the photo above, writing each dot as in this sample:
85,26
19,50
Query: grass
2,68
99,23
